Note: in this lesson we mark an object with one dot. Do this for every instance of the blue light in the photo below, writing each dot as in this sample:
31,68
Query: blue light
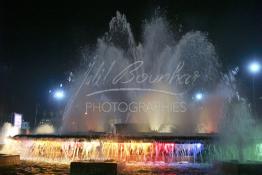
59,94
254,67
199,96
199,145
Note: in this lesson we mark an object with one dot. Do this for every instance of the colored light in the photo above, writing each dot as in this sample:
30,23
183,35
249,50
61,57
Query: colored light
259,149
67,150
198,145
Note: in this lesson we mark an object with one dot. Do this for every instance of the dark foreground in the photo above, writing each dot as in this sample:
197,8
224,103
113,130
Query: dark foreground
28,167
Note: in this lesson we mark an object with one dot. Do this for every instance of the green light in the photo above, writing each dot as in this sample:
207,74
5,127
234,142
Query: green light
259,149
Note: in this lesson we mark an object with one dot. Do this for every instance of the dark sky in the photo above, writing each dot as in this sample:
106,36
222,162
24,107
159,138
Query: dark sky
40,41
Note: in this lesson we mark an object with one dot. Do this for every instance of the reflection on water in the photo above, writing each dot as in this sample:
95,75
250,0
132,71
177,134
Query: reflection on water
165,169
30,167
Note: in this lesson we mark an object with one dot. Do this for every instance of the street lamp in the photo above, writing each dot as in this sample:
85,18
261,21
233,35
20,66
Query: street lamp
59,94
198,96
254,68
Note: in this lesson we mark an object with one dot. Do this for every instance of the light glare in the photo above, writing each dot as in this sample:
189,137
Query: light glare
254,67
59,94
199,96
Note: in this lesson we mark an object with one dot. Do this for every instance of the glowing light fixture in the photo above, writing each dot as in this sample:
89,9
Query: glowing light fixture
59,94
199,96
254,67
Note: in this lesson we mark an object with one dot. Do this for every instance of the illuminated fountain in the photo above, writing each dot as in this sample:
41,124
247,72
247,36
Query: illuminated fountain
65,150
156,79
149,83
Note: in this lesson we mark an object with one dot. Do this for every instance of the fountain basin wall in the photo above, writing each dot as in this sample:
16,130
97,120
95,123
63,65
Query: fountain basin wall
93,168
7,160
129,128
238,168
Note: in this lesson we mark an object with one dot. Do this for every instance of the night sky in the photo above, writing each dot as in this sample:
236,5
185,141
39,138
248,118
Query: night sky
41,41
